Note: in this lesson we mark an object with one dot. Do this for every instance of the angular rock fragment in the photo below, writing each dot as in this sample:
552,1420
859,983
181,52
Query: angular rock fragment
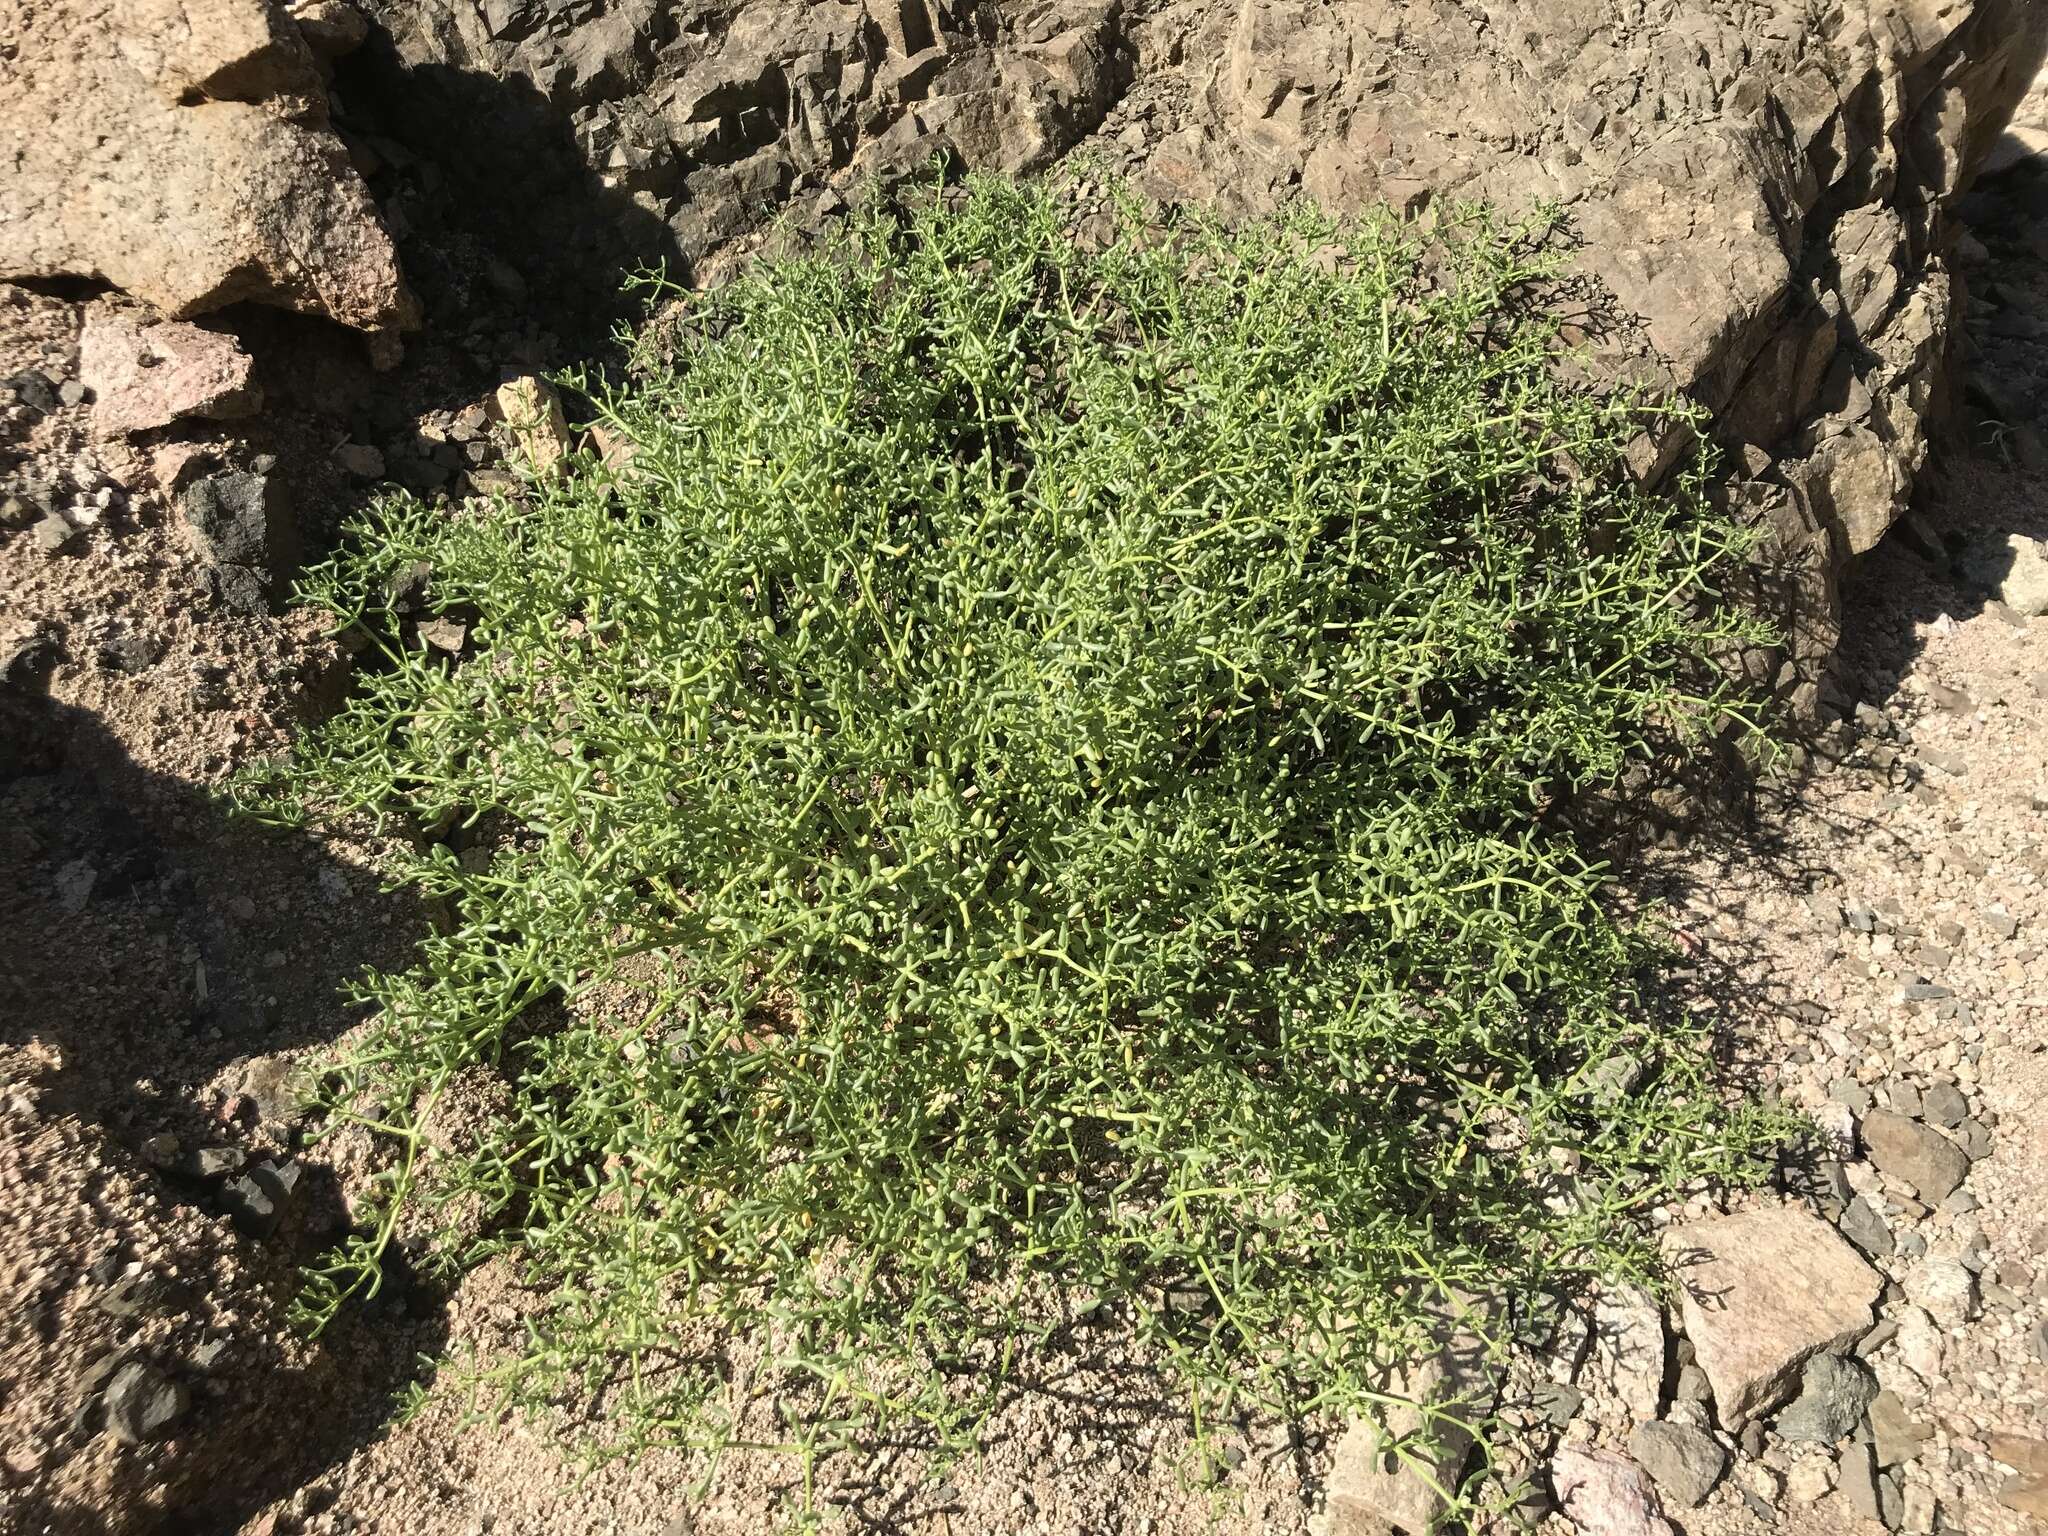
1604,1493
1834,1394
143,376
1373,1487
1915,1154
243,529
1761,1293
1683,1461
143,1404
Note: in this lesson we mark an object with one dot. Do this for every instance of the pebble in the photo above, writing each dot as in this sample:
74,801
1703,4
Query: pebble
142,1404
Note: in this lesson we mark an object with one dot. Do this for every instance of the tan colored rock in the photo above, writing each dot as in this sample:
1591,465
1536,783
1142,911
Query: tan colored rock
179,150
532,411
1761,1292
144,376
1915,1154
2025,1454
1374,1489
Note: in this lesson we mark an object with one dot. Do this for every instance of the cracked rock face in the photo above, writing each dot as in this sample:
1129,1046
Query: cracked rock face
1762,187
179,149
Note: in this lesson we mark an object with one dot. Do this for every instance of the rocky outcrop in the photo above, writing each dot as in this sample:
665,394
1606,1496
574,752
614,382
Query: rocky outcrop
1761,187
180,149
687,125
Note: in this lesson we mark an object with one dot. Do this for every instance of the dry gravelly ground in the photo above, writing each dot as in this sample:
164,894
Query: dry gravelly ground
162,968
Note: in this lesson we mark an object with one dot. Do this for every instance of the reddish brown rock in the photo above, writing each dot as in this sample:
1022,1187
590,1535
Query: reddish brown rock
144,376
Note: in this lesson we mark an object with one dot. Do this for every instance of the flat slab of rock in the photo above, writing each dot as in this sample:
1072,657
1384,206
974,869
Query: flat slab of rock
1685,1462
1761,1293
1372,1489
144,376
1915,1154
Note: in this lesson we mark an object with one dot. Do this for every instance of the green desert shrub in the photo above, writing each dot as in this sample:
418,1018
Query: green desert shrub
1026,780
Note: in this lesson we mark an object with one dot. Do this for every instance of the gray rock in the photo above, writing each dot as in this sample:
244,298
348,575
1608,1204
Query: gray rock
1858,1481
242,527
1891,1500
261,1198
143,1404
1862,1225
1975,1139
1692,1386
1914,1153
1943,1105
1846,1090
1684,1462
250,1206
1558,1402
1834,1394
214,1162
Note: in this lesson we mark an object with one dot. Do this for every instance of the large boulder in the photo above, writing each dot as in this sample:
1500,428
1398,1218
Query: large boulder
180,149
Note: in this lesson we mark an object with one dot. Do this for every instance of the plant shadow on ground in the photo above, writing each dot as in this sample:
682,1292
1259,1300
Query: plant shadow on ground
141,933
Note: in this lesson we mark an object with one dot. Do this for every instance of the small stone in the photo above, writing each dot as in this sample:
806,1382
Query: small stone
1370,1487
1684,1462
1943,1105
243,529
1558,1402
1921,1346
1862,1225
1944,1288
1856,1481
1606,1494
54,533
161,1150
443,634
1626,1359
1811,1479
532,410
1834,1394
1914,1153
1918,1510
1974,1139
148,375
142,1404
1850,1093
360,460
215,1162
1895,1435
